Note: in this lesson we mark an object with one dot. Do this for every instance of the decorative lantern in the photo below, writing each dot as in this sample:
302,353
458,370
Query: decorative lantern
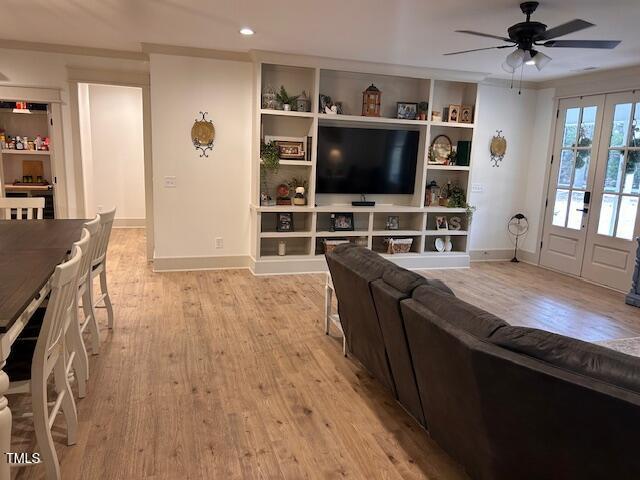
371,101
269,98
303,104
432,196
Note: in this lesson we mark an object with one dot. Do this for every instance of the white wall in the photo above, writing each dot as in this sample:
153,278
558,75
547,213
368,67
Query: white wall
211,198
46,69
111,127
516,185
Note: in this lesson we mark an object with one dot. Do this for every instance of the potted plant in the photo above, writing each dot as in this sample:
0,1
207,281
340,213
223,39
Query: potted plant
270,156
458,199
423,108
283,97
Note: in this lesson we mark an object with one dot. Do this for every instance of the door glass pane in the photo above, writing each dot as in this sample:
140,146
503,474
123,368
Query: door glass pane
570,127
575,217
582,169
632,173
560,208
621,116
635,135
627,219
587,126
608,215
566,168
613,175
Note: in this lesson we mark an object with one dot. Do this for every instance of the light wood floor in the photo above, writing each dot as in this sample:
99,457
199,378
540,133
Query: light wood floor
222,375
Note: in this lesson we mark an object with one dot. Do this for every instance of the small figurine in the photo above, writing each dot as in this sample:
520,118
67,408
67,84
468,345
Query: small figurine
38,143
299,198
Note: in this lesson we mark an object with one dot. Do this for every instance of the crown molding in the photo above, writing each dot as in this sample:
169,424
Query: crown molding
73,50
162,49
114,77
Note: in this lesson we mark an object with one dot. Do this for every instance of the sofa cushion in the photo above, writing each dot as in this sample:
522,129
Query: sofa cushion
406,281
463,315
360,260
572,354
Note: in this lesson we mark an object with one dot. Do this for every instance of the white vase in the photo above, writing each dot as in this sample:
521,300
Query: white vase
286,107
448,246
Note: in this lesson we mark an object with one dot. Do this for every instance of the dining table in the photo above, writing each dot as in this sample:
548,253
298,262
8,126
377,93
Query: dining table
30,250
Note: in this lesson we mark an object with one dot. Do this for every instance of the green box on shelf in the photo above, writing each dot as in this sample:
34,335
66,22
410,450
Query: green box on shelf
463,153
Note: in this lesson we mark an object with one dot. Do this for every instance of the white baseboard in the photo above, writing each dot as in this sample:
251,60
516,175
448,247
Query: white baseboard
129,223
502,255
180,264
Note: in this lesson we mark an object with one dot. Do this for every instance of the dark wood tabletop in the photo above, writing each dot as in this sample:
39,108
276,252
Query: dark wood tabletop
30,250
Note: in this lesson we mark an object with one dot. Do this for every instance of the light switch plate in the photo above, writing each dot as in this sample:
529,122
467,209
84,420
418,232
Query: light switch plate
170,182
477,187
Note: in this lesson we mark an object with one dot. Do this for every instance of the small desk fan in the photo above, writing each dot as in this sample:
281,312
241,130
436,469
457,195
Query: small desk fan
518,226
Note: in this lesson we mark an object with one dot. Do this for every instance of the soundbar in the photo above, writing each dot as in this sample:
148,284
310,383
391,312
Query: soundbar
363,203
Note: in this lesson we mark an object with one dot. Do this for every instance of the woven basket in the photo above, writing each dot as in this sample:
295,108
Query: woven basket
398,245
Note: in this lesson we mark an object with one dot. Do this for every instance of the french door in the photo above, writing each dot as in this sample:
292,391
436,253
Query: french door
571,183
594,189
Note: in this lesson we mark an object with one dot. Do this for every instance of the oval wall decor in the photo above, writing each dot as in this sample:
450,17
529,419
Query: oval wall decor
203,134
498,148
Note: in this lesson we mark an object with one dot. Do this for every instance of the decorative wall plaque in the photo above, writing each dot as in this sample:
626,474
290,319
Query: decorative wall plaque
203,133
498,148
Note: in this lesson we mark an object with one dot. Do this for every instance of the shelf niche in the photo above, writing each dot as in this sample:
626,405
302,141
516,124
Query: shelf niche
294,79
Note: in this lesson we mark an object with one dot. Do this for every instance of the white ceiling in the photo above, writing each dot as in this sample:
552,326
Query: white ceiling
408,32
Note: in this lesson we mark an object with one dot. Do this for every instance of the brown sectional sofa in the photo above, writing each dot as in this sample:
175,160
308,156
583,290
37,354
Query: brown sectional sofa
506,402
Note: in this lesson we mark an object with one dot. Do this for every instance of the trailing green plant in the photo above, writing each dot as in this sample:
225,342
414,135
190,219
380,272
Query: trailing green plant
270,156
423,107
458,199
283,97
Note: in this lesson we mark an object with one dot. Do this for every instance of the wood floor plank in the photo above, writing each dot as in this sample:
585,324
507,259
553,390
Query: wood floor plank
222,374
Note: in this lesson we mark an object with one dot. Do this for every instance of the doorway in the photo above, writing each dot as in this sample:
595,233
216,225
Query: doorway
112,146
592,215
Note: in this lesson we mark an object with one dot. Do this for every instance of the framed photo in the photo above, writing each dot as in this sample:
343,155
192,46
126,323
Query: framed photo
466,114
393,222
441,223
407,110
284,222
289,148
342,222
453,113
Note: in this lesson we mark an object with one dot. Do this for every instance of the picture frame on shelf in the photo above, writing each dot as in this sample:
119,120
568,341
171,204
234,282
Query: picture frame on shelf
440,150
289,148
466,114
284,222
452,114
342,222
441,223
406,110
393,222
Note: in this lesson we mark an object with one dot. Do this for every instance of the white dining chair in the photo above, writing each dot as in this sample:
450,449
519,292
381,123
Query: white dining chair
78,360
33,360
22,206
99,268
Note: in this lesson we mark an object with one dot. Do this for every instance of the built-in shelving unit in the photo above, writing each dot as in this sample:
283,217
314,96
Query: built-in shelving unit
304,246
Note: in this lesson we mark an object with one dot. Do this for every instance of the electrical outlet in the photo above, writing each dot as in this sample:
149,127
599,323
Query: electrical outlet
170,182
219,242
477,187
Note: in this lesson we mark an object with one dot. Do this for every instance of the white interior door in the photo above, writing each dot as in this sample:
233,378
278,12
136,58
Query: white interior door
609,256
571,182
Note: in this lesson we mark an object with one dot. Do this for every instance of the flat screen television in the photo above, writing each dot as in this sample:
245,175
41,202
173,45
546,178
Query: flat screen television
366,160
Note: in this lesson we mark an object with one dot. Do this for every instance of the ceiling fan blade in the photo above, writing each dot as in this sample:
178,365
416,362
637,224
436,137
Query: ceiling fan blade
564,29
607,44
478,49
488,35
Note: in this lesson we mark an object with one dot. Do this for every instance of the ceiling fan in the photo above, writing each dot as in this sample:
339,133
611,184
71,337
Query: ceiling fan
528,36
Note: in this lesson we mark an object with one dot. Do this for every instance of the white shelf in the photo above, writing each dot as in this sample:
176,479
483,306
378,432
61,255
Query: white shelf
452,124
377,208
437,233
444,254
8,151
448,167
395,233
282,113
350,233
439,209
282,208
296,163
285,234
327,118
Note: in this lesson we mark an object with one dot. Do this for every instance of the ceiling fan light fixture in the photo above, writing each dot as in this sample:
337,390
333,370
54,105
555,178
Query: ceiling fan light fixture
515,58
540,60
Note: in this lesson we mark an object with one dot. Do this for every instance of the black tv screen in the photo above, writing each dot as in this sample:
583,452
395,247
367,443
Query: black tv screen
366,160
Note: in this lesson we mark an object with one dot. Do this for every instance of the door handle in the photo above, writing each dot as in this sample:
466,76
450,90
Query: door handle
583,210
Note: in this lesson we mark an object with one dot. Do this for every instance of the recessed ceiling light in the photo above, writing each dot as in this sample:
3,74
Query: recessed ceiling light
246,31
